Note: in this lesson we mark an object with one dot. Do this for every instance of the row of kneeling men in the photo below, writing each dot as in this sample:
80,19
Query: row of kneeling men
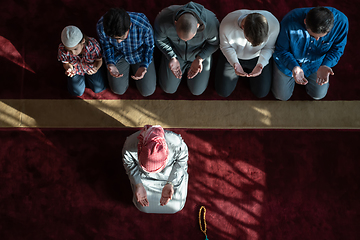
272,56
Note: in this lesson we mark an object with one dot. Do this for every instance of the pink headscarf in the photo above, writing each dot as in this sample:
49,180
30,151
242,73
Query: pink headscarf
152,148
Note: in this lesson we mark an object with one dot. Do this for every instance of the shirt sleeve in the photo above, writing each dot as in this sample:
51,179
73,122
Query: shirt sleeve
149,47
282,47
180,166
225,47
131,164
97,49
161,39
337,49
107,48
268,50
212,41
61,55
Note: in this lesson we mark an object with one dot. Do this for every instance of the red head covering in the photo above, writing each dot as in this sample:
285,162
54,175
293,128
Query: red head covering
152,148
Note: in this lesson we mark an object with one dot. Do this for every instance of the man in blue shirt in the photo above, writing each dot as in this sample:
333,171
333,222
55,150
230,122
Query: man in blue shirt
310,43
127,41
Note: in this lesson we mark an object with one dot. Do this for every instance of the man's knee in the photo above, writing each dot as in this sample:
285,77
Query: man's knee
282,96
168,90
197,89
261,93
197,92
316,91
282,90
169,83
118,85
119,90
77,92
147,92
99,89
222,93
317,96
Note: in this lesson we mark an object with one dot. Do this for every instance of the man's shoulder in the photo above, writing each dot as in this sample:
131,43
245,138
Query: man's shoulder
165,19
173,139
93,40
100,27
61,47
137,15
167,14
338,15
297,14
268,15
131,142
93,44
139,20
295,18
100,21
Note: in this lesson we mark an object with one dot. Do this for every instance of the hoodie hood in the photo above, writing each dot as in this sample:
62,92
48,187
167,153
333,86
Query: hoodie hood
196,10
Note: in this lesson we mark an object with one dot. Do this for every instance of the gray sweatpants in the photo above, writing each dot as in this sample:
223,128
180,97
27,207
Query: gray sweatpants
197,85
146,85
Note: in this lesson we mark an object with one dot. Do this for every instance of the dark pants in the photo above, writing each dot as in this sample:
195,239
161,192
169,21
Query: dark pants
226,78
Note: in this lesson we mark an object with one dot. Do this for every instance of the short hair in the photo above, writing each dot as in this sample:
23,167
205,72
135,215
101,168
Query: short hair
86,40
256,28
116,22
320,20
187,24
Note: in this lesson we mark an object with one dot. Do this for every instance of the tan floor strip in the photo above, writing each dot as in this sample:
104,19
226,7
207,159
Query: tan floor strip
180,114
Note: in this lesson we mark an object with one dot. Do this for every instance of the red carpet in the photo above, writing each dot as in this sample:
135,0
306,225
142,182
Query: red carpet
30,35
255,184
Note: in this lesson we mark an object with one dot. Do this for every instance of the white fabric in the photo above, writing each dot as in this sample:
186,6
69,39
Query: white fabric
175,171
234,45
71,36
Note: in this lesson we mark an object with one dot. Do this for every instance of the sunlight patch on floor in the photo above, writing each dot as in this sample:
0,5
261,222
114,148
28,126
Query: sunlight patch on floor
79,113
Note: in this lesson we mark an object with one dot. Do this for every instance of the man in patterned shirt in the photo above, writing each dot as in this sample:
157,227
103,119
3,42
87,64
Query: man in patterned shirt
81,58
127,42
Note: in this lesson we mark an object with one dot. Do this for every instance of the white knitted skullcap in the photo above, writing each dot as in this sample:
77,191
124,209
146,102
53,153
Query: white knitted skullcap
71,36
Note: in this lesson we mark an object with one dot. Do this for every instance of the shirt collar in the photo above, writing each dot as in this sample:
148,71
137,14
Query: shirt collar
241,18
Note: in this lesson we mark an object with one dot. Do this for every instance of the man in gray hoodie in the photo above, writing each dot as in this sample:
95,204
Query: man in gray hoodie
187,35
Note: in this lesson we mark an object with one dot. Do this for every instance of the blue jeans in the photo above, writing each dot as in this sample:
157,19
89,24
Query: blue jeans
77,83
283,86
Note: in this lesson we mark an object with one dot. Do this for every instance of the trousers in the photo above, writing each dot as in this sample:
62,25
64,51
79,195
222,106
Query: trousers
146,85
197,85
226,78
76,84
283,86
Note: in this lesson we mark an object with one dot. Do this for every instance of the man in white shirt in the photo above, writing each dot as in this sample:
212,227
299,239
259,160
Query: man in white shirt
247,42
156,163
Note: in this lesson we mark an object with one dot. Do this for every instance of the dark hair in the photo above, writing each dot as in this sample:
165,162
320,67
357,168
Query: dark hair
320,20
187,23
86,40
256,28
116,22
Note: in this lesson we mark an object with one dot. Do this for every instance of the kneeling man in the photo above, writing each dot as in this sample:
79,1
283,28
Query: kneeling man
311,42
156,163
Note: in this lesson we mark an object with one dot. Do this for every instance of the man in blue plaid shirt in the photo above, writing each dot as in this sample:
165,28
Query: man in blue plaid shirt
127,41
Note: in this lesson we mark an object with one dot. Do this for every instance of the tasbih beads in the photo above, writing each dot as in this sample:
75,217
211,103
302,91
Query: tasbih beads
204,219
